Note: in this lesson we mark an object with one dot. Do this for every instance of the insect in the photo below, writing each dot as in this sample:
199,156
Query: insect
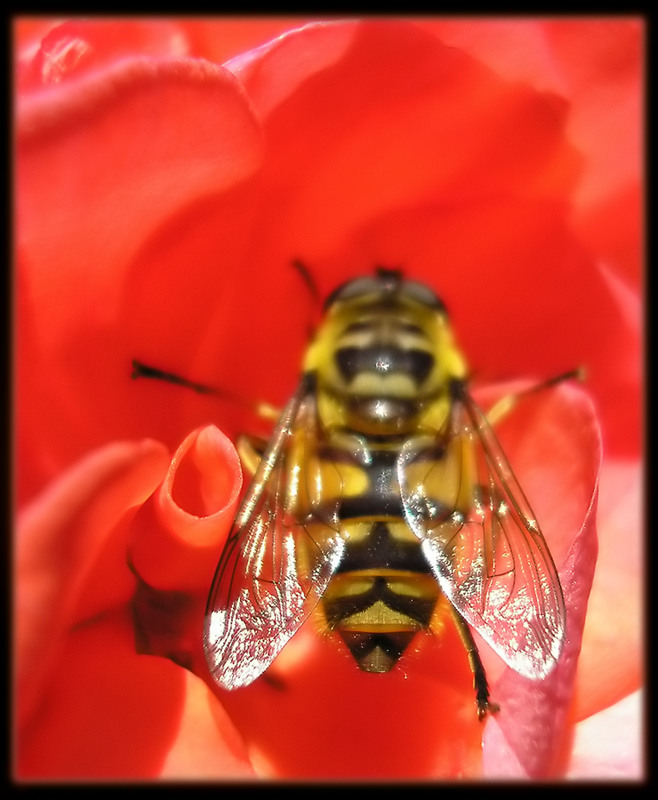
381,494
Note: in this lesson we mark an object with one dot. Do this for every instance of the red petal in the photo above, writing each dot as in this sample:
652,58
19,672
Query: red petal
107,713
614,643
100,166
64,537
348,121
596,63
614,228
492,234
207,745
315,715
605,84
74,48
72,642
345,116
75,635
221,38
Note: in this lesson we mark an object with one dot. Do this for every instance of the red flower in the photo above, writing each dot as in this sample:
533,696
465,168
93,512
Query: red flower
160,200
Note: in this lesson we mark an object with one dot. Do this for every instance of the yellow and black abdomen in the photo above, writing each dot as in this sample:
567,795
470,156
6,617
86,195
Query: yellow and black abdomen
382,592
381,595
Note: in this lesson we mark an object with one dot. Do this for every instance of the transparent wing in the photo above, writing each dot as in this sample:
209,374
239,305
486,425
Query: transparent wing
482,542
273,570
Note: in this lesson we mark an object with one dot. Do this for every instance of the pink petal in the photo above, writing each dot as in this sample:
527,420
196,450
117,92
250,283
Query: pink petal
529,737
609,745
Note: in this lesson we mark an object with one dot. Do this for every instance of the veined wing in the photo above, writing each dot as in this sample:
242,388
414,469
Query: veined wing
272,571
482,542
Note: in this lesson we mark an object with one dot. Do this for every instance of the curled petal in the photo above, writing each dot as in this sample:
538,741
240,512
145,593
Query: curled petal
178,534
176,540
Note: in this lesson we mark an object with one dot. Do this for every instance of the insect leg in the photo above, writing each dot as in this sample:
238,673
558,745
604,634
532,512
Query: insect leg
141,370
250,449
484,704
309,281
502,408
263,410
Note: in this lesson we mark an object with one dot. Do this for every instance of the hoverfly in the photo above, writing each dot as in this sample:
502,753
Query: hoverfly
382,490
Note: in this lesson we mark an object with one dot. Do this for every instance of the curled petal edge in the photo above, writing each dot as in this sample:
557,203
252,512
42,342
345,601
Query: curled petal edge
178,532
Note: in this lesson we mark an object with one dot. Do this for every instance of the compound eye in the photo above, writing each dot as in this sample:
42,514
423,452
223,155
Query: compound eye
353,288
386,283
423,294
